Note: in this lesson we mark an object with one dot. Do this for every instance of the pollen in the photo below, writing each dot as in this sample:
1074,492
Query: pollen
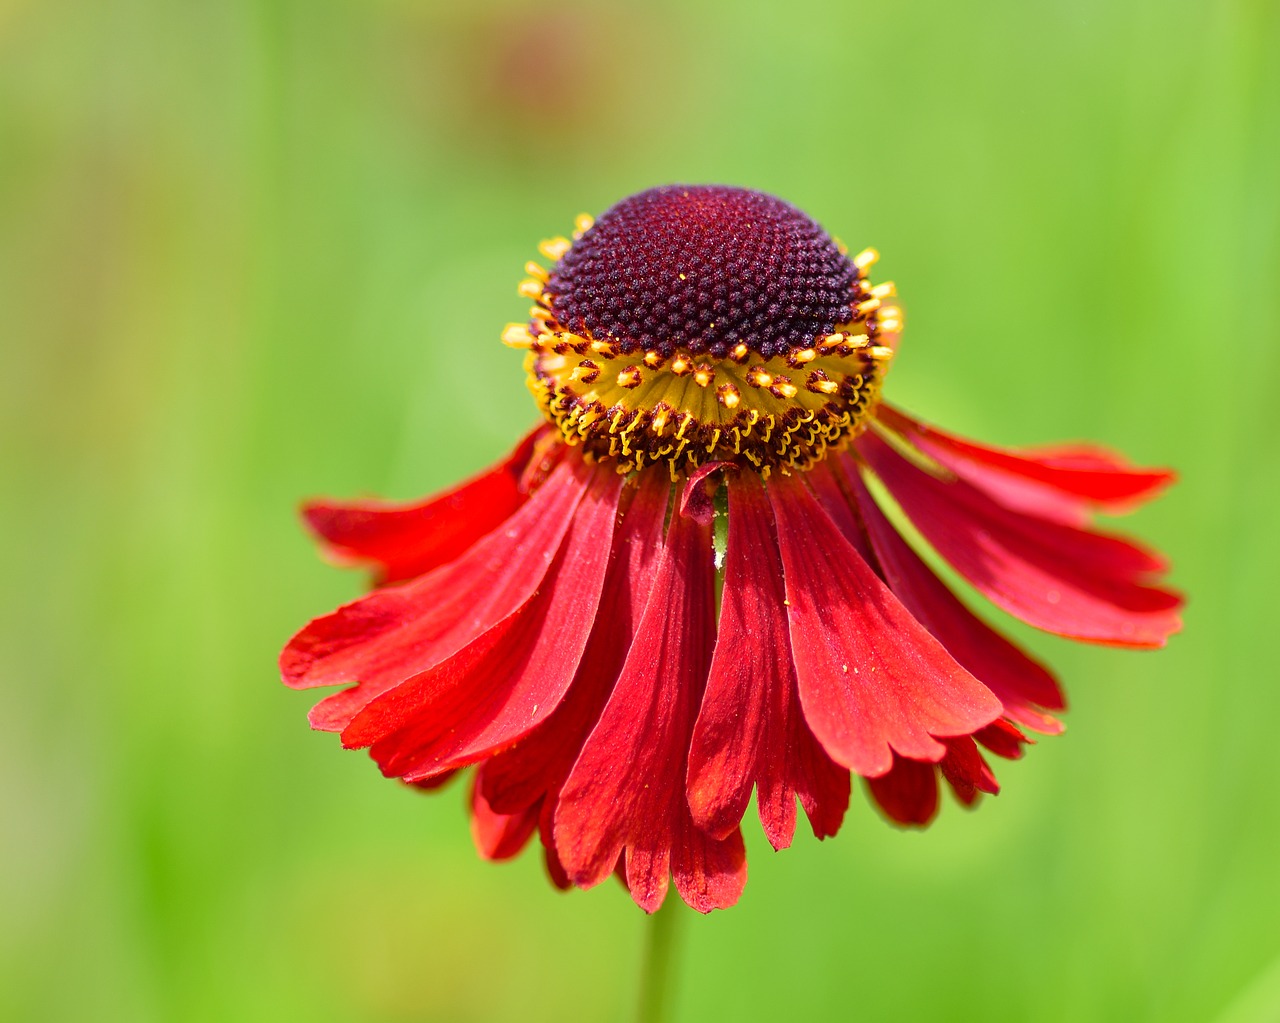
705,323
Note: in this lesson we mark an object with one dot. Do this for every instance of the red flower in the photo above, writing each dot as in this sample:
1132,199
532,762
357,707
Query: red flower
569,623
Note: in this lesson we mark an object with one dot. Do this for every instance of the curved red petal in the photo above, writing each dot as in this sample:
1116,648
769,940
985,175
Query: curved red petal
710,873
540,762
626,790
966,771
1066,580
391,634
750,729
871,679
402,540
550,858
499,836
1061,481
1003,739
1023,685
493,692
907,792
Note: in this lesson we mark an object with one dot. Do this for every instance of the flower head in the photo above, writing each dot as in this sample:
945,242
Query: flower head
568,623
701,324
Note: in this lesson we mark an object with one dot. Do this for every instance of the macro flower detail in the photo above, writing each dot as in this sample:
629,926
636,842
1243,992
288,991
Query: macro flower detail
691,582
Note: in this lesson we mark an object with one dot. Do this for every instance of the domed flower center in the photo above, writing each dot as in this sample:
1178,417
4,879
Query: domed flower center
703,323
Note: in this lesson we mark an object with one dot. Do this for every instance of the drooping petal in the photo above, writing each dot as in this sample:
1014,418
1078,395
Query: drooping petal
402,540
750,729
1078,583
872,680
1023,685
907,792
1064,481
540,762
491,693
710,873
499,836
1003,739
966,771
626,790
391,634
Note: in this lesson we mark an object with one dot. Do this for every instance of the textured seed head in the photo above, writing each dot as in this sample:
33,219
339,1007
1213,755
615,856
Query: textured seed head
703,268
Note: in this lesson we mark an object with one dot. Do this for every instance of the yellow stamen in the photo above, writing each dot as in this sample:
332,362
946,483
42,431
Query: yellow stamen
517,335
554,248
866,258
629,377
758,377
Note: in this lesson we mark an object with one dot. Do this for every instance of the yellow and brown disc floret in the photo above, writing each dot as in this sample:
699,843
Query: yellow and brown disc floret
692,324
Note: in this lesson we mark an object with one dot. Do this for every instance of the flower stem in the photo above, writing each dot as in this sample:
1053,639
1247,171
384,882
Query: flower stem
657,968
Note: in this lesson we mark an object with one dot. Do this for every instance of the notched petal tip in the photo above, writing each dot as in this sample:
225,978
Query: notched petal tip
873,682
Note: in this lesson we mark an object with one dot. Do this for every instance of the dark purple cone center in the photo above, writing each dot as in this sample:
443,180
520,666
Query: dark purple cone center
703,267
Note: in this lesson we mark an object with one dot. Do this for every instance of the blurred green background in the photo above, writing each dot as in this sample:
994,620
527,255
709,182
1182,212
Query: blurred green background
252,251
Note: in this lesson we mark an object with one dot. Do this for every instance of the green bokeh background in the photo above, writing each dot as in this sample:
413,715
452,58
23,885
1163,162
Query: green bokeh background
251,251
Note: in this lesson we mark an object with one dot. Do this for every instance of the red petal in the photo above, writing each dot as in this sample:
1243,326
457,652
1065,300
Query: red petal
499,836
626,791
1057,482
1024,686
391,634
907,792
871,679
751,730
710,873
966,771
697,499
433,783
550,858
540,762
405,540
1086,585
1002,739
494,691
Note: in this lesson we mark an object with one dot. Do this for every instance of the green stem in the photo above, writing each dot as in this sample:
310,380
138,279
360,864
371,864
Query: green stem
659,956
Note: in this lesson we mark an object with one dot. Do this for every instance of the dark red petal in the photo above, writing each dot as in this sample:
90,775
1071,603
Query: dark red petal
1086,585
907,792
872,681
539,763
1065,480
751,730
1003,739
499,836
1024,686
710,873
550,858
829,490
697,499
433,783
966,771
491,693
403,540
394,633
626,790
